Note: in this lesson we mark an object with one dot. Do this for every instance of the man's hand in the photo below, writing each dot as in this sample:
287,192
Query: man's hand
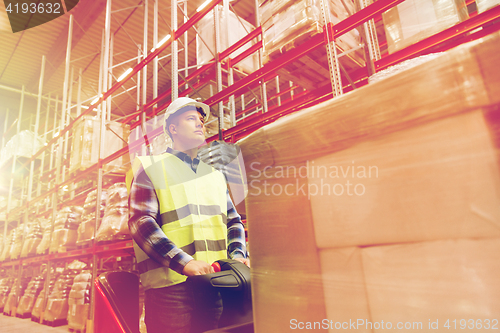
244,260
197,267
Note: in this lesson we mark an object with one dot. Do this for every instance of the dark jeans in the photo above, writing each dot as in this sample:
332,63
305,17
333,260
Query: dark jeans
177,309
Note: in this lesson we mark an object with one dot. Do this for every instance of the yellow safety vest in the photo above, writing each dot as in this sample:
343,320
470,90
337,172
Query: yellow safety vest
193,210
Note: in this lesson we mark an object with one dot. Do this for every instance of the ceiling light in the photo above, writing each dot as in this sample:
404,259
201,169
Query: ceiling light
163,41
127,72
203,5
95,100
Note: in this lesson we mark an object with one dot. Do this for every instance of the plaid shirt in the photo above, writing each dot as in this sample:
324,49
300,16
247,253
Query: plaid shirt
144,216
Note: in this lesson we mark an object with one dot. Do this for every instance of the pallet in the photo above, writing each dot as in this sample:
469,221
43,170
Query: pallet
76,330
84,244
119,239
24,315
55,323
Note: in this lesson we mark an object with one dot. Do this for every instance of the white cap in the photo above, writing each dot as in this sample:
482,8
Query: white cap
181,102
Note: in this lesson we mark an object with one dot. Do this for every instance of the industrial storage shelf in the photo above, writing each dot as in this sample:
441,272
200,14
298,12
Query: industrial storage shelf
311,48
115,249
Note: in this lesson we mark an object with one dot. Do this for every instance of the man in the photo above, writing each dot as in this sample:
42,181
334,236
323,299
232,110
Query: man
181,219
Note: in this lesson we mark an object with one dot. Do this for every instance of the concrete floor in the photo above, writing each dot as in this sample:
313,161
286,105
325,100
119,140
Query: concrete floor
17,325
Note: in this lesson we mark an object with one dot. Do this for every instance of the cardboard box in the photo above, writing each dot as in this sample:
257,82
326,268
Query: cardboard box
433,282
433,132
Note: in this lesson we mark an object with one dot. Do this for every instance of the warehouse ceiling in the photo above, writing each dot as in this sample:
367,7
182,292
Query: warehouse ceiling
21,58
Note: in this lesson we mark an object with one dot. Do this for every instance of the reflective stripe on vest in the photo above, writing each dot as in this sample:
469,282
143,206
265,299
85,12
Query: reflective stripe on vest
193,210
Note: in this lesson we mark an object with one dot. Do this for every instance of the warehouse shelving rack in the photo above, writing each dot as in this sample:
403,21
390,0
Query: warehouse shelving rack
45,200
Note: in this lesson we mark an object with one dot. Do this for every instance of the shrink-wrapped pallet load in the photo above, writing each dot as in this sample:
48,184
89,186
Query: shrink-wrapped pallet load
18,288
114,224
43,247
79,301
21,144
17,245
238,28
9,241
5,287
87,226
27,301
34,235
484,5
285,24
39,306
386,209
66,229
85,148
56,313
414,20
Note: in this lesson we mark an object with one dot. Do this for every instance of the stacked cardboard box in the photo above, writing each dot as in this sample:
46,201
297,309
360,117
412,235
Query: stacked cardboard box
386,207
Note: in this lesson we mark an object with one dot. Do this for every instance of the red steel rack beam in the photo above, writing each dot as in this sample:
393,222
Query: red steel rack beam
243,55
255,122
183,28
337,30
439,38
253,34
207,67
365,14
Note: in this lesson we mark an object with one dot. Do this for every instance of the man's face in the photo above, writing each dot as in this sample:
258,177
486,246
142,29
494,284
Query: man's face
189,129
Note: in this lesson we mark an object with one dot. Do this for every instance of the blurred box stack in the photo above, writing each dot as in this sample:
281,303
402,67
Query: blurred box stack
85,148
286,25
238,28
79,302
66,226
414,20
386,208
114,225
484,5
27,301
88,224
20,144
